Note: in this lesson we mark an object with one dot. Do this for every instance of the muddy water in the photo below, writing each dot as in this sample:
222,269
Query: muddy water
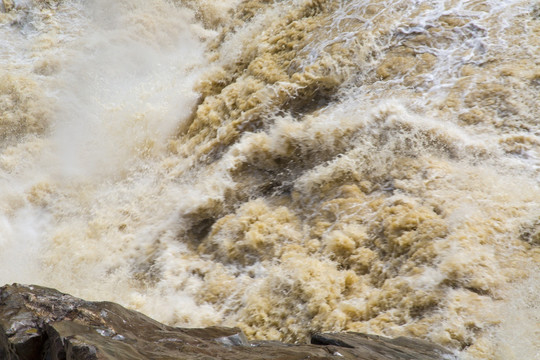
286,167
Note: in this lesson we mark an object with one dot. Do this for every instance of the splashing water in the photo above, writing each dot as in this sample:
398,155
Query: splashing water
285,167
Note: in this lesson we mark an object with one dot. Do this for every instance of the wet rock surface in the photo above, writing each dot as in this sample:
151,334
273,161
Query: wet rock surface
42,323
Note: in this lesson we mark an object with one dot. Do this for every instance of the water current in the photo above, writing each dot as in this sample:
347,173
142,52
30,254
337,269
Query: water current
287,167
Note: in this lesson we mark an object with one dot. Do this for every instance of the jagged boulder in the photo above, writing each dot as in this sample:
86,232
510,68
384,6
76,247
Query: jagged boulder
38,323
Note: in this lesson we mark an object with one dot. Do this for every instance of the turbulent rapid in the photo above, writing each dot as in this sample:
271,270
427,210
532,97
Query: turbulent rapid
286,167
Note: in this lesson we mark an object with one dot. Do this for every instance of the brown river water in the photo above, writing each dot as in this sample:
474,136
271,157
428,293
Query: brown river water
287,167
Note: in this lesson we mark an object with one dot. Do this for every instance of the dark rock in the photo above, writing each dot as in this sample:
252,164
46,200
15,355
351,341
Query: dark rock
38,323
378,347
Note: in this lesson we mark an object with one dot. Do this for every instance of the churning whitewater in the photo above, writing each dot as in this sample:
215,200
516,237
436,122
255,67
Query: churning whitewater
286,167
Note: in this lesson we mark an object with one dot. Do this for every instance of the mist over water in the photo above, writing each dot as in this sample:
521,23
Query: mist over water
286,167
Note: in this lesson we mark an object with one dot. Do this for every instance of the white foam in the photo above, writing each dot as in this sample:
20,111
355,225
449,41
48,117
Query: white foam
22,239
128,86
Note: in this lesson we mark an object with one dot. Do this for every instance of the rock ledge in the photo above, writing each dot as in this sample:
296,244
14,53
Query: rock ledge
38,323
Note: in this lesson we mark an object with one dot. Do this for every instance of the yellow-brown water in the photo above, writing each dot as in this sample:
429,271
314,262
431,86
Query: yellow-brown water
287,167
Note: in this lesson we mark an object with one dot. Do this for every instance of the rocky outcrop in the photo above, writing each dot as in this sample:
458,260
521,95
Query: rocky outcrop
38,323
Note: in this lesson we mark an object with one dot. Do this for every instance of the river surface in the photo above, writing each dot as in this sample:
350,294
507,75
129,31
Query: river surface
287,167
